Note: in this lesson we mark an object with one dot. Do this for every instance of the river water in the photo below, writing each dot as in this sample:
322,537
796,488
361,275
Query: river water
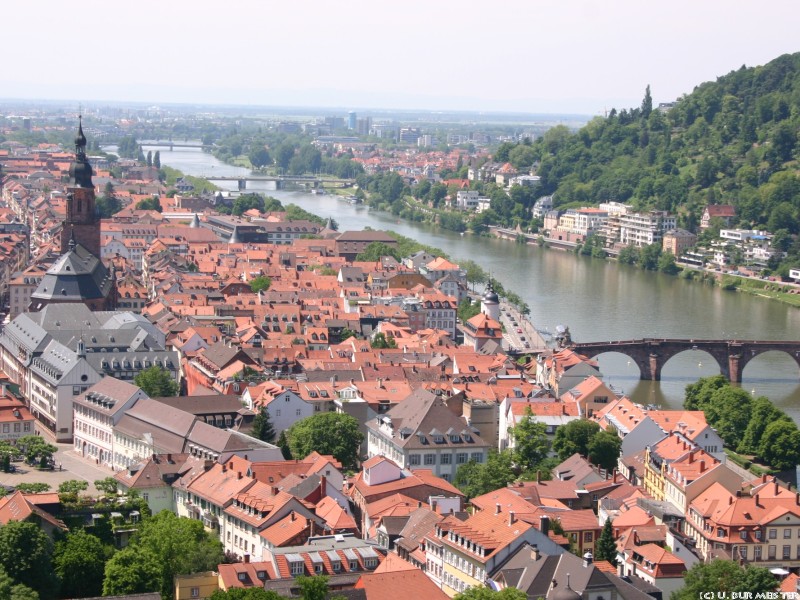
597,299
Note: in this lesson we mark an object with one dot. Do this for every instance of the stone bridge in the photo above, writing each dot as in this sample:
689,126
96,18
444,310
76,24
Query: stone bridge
652,354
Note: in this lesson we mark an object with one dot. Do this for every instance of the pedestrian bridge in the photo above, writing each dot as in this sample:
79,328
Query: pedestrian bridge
652,354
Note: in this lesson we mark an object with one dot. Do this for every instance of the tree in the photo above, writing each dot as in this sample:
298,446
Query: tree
666,264
313,588
780,445
574,437
729,413
26,553
762,414
531,443
251,593
475,479
69,491
259,156
698,394
107,486
36,449
604,450
724,577
174,544
485,593
260,284
149,204
475,273
347,333
9,590
156,382
381,341
157,159
262,426
332,433
647,103
606,547
149,158
133,570
375,251
33,488
283,444
80,561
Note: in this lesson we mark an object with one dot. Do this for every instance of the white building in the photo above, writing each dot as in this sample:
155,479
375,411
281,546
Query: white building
642,229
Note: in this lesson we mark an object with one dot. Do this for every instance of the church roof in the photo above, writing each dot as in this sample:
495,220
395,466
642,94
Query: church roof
76,276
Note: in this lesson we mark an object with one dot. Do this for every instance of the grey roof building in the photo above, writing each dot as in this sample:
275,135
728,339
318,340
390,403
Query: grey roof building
56,354
423,432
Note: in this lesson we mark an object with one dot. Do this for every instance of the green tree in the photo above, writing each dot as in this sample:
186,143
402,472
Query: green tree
177,545
80,561
251,593
604,450
381,341
698,394
724,577
763,413
156,382
468,309
374,251
531,443
149,204
149,158
26,553
260,284
780,445
347,333
36,449
313,588
729,413
69,491
606,547
133,570
259,156
33,488
647,103
485,593
666,264
475,479
262,426
574,437
9,590
107,486
475,273
337,434
157,159
283,444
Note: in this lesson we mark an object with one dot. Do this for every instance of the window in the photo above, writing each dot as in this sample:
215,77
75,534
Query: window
771,553
743,535
757,553
195,592
242,576
430,459
787,533
773,533
787,552
477,457
757,533
299,410
297,568
587,536
354,565
413,459
743,552
720,532
461,458
6,428
446,458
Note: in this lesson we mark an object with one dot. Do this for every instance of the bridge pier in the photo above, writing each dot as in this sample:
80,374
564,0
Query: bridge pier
734,368
242,184
654,371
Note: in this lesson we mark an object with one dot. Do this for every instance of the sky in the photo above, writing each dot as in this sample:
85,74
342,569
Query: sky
534,56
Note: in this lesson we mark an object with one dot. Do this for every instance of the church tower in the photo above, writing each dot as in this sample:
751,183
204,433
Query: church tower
490,303
82,224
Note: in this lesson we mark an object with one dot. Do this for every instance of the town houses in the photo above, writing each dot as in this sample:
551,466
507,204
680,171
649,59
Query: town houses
255,316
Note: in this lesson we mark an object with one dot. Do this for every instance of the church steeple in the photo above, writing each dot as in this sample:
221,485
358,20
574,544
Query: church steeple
80,172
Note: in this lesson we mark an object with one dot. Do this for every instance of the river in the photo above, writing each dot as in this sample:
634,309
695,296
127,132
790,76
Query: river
597,299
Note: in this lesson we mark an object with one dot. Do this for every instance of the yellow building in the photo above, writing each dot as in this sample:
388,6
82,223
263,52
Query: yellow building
196,585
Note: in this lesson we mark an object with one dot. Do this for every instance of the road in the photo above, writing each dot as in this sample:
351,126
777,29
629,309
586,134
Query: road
527,339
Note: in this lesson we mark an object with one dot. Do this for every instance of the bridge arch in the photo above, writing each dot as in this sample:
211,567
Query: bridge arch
621,354
752,351
702,355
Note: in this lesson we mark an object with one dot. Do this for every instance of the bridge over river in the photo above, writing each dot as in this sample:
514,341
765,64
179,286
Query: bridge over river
650,354
281,180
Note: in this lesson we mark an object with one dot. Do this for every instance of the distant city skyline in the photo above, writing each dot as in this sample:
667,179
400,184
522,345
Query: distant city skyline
549,56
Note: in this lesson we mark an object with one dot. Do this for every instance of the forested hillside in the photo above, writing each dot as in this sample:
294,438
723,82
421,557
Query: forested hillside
732,141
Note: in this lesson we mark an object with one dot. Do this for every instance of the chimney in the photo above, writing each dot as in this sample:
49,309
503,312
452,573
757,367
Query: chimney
293,516
511,518
764,478
207,464
224,467
702,466
691,457
538,477
544,524
757,499
497,510
797,498
323,486
616,473
238,474
587,559
246,558
777,487
534,552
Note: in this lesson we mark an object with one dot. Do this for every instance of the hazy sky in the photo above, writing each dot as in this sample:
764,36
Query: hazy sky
563,56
